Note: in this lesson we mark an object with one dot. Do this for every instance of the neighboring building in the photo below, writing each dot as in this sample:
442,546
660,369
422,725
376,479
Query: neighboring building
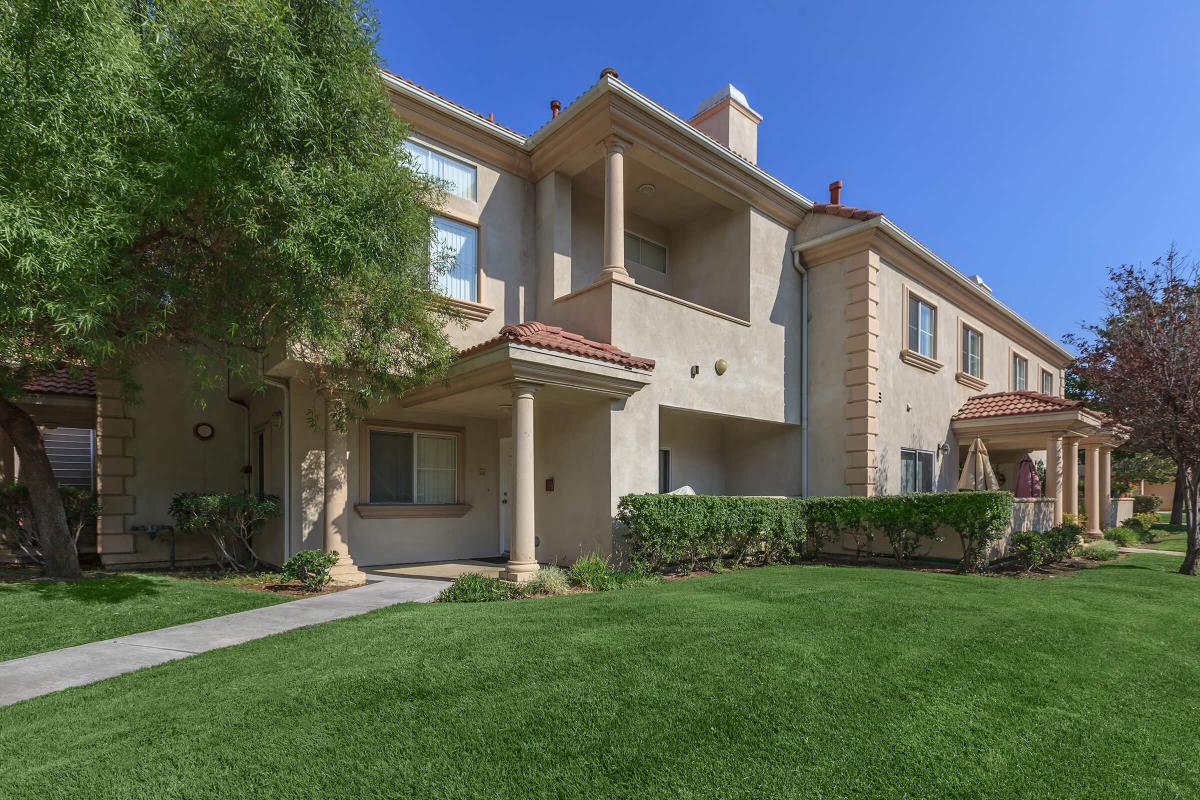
636,292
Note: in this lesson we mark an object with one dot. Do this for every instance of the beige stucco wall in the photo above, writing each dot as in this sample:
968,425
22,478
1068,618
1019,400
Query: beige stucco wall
827,390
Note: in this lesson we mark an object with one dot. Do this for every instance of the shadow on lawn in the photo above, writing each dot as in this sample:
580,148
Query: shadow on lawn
109,589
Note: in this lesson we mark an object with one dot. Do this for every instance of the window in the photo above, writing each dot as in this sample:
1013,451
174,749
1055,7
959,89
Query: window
922,327
916,471
458,245
1020,373
664,471
459,177
72,454
972,352
645,253
413,467
1047,382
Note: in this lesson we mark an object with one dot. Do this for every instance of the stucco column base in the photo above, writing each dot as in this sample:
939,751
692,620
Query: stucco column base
519,571
1091,535
346,573
617,274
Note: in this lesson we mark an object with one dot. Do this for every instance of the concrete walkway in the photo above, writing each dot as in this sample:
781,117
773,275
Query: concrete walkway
1147,550
32,676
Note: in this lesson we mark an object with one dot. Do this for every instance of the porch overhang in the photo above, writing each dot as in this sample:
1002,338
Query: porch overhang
1027,431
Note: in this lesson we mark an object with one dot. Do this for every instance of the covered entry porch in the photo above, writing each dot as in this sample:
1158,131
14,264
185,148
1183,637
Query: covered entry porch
1015,424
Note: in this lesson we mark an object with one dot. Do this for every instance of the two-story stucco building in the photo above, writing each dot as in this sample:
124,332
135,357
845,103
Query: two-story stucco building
646,309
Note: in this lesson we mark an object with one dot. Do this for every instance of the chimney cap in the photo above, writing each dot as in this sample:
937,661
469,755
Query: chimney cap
555,107
607,71
726,92
835,193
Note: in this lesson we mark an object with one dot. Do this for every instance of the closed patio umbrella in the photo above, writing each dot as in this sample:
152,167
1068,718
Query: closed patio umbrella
977,474
1028,483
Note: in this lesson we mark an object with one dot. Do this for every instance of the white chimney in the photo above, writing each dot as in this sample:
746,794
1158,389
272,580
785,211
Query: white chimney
727,117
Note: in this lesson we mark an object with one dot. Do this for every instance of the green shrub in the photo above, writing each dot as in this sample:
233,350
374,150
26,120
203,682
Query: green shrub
1032,549
1146,504
979,518
1143,524
475,588
15,515
907,521
638,576
1100,550
231,520
311,568
663,529
549,580
591,572
829,518
1125,537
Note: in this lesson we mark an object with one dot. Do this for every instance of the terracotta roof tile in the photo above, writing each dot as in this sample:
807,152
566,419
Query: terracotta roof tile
63,382
1007,404
416,85
554,338
849,212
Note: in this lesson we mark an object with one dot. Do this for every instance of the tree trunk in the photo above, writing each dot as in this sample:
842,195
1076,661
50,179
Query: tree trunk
1177,500
1192,500
45,503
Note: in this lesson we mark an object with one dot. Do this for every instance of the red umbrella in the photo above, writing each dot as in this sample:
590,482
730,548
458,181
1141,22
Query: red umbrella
1028,484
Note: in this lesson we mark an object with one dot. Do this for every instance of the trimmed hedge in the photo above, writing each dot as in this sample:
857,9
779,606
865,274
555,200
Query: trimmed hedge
664,529
1146,503
1033,549
693,529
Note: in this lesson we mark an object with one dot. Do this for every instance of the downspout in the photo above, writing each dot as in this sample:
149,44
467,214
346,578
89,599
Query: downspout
245,407
803,370
285,499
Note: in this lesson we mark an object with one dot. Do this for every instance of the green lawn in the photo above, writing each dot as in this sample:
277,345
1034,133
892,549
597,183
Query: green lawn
811,681
1170,537
45,615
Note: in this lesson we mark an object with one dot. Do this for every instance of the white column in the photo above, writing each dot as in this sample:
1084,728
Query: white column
1054,483
1071,475
336,496
1091,490
614,210
1106,487
522,556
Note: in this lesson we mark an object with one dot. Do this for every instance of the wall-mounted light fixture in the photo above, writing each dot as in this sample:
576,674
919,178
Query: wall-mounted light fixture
721,366
695,370
646,188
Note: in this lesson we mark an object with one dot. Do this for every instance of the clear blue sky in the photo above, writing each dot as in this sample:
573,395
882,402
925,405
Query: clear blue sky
1035,143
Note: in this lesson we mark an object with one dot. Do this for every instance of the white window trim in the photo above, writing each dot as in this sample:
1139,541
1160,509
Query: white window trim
971,381
1012,371
474,308
932,467
666,270
907,354
368,509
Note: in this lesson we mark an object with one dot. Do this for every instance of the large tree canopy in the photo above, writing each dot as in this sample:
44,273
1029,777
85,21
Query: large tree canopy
219,175
1143,363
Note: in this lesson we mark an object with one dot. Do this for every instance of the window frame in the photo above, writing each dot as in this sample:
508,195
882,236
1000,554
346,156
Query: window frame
477,300
1012,372
1044,374
369,508
474,198
917,453
666,254
965,355
911,297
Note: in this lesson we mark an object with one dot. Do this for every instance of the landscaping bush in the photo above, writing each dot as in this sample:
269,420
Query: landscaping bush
311,568
663,529
907,521
1125,537
15,516
1100,550
979,518
828,518
1031,549
549,580
591,572
1146,503
231,519
475,588
1142,525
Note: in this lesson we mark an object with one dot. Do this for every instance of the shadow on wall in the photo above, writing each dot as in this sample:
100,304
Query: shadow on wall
883,461
108,590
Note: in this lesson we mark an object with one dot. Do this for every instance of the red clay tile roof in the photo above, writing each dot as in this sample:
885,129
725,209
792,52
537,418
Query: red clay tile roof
554,338
62,382
1008,404
416,85
849,212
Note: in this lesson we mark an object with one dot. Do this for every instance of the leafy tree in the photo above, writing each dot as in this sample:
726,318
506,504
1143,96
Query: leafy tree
1143,361
220,176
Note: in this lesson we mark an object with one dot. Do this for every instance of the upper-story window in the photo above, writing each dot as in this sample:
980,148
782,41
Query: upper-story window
1047,382
645,253
459,177
458,243
1020,373
922,327
972,352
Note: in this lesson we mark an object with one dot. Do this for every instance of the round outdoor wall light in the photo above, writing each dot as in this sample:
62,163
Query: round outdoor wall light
646,188
721,366
203,431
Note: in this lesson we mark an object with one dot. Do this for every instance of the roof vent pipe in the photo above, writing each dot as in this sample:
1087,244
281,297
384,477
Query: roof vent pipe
835,193
555,107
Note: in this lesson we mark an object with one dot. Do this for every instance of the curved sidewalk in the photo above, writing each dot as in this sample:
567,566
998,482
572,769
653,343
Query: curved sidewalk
42,673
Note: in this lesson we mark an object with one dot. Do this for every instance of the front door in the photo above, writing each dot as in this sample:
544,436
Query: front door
506,467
